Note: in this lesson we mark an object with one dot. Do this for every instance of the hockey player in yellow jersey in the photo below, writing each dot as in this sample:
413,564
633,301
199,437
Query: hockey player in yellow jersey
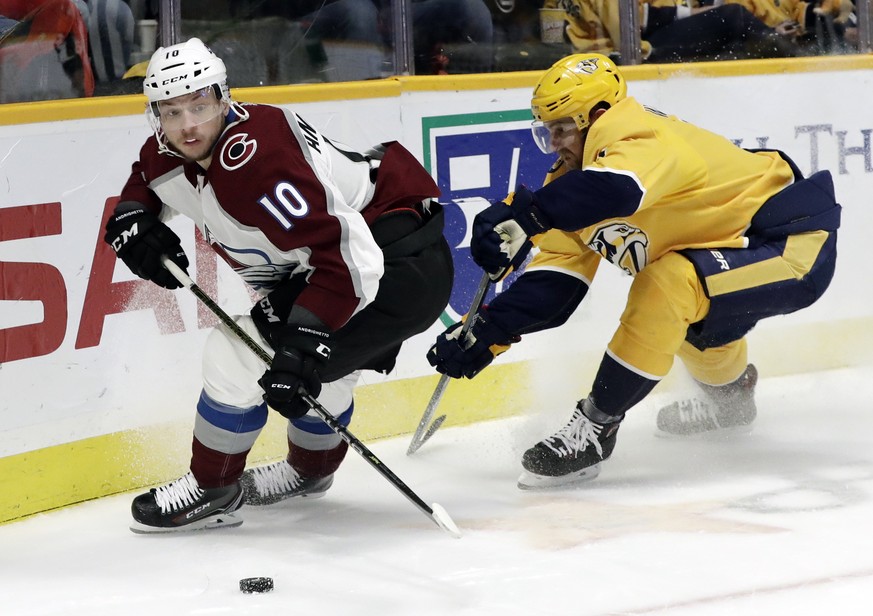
716,238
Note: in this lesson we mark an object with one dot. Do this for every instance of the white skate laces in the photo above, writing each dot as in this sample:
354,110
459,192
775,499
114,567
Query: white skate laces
274,479
573,454
178,494
715,409
698,411
575,436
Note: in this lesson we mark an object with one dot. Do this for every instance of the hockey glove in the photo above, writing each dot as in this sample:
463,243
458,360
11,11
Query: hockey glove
301,353
468,357
139,238
501,233
271,314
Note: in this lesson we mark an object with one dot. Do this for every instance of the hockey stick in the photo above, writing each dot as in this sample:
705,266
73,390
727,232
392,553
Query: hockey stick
426,429
435,512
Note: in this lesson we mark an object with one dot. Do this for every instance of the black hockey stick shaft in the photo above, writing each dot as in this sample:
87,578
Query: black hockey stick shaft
316,406
425,428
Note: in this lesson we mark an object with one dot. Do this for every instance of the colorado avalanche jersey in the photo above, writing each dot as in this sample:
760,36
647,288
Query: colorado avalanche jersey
280,199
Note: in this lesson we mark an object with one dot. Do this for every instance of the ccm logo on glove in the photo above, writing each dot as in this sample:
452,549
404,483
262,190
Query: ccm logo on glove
302,353
141,239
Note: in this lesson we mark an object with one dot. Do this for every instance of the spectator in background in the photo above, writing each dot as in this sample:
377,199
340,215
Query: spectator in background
84,11
56,35
342,21
716,31
438,23
110,32
347,20
818,26
515,21
677,30
435,23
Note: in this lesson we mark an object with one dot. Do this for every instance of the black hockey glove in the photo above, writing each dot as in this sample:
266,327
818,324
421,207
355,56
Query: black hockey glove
501,233
301,352
468,357
139,238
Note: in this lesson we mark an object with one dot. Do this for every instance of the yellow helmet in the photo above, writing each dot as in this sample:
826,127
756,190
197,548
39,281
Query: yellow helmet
574,85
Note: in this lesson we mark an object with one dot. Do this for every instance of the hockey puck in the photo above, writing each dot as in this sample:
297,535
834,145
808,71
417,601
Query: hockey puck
256,584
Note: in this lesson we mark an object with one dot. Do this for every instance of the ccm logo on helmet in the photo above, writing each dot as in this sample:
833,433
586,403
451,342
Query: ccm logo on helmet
174,79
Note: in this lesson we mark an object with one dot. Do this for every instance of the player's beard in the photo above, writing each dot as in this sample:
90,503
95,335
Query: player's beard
202,151
572,156
569,159
206,136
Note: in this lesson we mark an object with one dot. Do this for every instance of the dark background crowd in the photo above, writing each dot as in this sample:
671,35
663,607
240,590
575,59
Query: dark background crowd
56,49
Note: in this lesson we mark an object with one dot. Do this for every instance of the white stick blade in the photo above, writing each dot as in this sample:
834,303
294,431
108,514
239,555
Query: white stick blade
444,520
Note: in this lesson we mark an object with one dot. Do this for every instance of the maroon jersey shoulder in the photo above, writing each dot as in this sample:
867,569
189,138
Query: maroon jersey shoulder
258,166
401,181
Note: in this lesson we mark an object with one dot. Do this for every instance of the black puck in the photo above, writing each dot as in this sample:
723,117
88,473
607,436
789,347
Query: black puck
256,584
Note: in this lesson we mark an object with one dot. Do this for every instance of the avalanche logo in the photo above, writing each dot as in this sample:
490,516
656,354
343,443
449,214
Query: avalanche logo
237,151
622,245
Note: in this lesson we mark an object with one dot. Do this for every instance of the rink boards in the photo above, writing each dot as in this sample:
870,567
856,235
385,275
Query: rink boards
99,373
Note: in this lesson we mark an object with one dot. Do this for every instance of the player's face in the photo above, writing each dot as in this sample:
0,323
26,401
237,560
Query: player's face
193,123
564,138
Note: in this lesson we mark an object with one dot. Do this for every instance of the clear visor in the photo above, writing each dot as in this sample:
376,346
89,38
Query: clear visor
187,111
552,136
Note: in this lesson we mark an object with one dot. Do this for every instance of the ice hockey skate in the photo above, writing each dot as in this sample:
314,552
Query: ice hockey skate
183,505
265,485
571,455
726,409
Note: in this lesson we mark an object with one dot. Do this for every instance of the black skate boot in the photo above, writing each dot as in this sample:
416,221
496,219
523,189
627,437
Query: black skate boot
183,505
572,454
265,485
726,408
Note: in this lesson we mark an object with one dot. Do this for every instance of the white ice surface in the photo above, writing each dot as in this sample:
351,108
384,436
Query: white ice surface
776,522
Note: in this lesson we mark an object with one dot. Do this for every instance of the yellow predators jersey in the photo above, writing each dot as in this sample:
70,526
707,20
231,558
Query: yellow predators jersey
651,184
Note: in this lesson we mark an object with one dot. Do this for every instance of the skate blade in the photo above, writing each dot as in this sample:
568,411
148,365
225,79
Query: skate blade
532,481
225,520
266,502
717,434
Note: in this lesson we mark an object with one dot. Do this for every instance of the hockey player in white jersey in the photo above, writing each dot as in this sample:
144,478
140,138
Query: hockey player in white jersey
345,248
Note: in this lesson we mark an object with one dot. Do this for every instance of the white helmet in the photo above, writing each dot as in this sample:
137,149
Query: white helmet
184,69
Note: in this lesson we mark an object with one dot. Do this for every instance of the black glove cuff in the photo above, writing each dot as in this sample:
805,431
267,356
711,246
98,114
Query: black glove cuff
527,213
533,221
127,227
312,341
487,331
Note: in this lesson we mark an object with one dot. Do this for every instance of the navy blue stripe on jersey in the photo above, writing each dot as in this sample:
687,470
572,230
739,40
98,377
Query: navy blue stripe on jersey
315,425
538,300
581,198
231,418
